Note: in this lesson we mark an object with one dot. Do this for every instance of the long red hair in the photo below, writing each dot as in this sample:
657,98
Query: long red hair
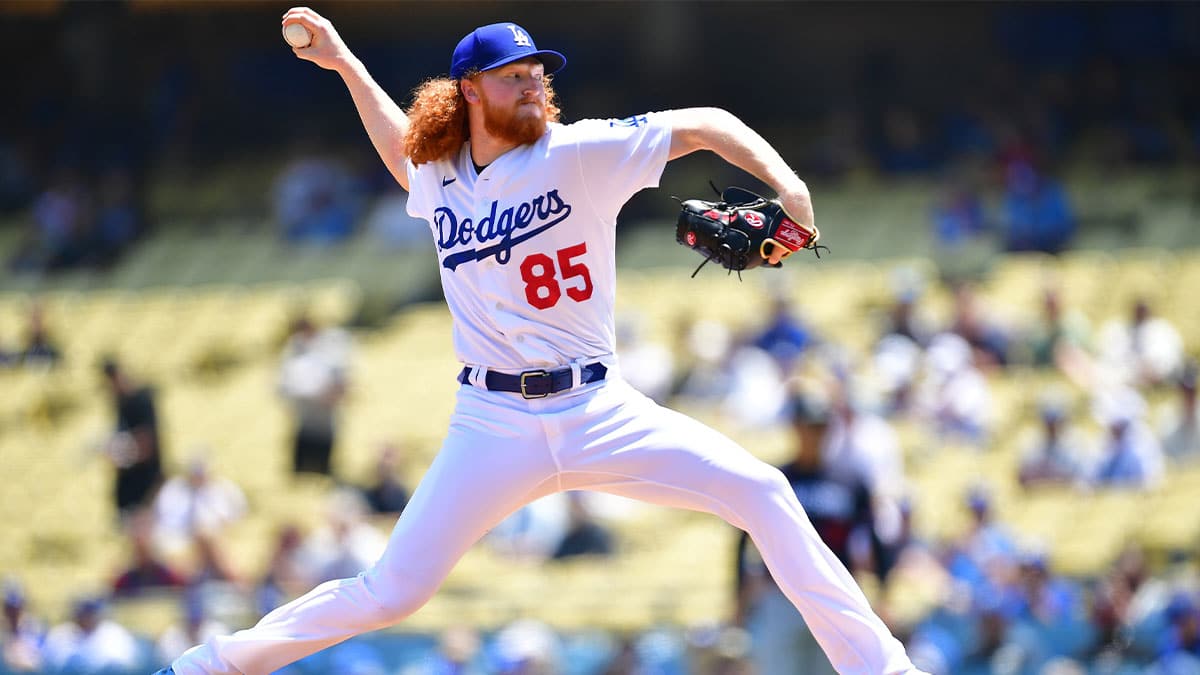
437,119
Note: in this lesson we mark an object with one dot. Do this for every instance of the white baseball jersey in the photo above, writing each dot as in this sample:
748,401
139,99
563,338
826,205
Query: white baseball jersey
527,246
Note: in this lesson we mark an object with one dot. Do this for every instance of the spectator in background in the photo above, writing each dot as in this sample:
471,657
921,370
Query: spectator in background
994,645
647,365
287,573
1055,457
61,218
196,504
913,578
526,647
1181,426
387,494
1109,616
706,347
1146,351
959,217
785,337
534,531
458,647
625,661
389,224
840,509
39,349
1056,331
954,395
315,198
91,644
195,628
75,229
21,635
1037,213
212,565
984,557
987,339
1131,456
347,543
1131,603
1180,648
860,446
757,388
312,378
904,333
903,318
147,571
134,448
584,535
1049,605
895,365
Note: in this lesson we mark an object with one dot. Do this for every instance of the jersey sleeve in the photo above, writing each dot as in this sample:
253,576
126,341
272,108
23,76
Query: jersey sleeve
416,206
619,157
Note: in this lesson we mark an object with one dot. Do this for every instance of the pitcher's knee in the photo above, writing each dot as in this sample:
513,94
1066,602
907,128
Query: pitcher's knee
759,492
393,597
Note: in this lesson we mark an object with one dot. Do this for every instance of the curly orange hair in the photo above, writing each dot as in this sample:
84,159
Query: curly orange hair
437,119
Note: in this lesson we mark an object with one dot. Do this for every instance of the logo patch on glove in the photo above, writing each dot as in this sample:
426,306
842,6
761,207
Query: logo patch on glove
792,235
719,216
753,219
691,238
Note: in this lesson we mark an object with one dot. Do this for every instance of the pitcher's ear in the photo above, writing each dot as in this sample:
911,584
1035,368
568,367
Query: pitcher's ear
469,91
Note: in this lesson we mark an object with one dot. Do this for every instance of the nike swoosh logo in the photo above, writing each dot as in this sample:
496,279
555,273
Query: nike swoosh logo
447,181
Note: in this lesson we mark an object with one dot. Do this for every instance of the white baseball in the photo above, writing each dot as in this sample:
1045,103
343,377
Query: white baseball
297,35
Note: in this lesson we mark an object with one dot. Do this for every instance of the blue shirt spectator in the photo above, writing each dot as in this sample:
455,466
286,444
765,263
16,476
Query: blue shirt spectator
1038,215
21,635
985,547
1183,637
958,216
786,337
1054,457
1132,456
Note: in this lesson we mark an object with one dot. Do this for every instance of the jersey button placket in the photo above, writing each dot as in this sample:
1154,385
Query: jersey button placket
491,275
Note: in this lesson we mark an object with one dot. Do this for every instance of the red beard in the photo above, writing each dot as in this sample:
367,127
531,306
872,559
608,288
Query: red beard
518,124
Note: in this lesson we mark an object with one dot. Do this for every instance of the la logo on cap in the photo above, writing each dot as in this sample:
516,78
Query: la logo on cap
497,44
519,37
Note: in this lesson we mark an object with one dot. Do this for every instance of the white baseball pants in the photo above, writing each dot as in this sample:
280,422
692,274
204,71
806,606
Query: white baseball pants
503,451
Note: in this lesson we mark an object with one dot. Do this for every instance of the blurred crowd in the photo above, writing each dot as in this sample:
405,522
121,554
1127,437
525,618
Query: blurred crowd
1119,413
174,521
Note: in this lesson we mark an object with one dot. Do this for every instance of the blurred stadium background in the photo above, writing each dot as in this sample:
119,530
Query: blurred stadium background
177,190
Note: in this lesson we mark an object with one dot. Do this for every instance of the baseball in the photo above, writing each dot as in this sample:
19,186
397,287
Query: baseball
297,35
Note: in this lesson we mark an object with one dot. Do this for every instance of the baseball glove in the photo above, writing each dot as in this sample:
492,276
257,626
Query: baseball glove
741,230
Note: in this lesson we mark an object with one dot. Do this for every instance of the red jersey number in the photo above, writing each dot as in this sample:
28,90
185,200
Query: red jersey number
542,288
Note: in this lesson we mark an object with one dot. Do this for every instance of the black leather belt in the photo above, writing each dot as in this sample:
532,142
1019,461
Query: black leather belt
538,383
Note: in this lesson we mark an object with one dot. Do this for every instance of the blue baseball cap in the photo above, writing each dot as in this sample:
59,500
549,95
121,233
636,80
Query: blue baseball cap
496,44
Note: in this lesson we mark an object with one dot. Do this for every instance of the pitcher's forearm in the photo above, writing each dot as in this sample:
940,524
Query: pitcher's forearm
384,120
723,133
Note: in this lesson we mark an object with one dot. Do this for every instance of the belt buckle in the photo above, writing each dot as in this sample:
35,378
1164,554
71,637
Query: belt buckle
530,373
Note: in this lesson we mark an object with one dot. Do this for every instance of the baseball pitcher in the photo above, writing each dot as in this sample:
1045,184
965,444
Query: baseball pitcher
522,210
